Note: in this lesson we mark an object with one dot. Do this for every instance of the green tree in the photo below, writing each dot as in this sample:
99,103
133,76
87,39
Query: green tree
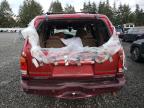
56,7
101,8
94,7
106,9
132,17
85,8
6,15
89,7
124,13
69,9
115,19
28,11
139,16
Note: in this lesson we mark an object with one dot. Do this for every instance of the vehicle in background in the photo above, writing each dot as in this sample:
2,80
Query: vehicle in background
10,30
134,34
78,79
137,50
127,26
119,31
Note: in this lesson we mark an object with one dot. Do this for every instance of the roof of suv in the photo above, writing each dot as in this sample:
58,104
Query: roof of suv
73,16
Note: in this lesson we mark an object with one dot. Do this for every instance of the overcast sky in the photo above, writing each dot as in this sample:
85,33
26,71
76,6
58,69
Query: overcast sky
78,4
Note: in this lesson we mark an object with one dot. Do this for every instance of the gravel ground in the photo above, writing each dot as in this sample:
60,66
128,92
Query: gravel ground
11,96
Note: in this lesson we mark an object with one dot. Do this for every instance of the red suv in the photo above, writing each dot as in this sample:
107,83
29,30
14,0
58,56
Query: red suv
71,56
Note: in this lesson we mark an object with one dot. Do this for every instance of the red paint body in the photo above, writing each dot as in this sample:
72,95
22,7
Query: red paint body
72,81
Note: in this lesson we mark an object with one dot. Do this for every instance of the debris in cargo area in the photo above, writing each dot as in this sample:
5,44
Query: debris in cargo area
73,52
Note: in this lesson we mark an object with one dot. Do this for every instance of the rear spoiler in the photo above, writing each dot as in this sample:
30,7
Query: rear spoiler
49,13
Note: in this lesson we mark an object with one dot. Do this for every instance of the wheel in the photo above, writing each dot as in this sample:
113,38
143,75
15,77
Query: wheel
135,54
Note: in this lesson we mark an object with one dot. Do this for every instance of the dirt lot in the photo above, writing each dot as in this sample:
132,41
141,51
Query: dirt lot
11,96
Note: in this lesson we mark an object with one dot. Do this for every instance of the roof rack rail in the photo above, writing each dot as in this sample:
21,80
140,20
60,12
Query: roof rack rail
49,13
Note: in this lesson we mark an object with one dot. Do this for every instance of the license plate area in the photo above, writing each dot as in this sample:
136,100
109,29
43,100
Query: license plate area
73,70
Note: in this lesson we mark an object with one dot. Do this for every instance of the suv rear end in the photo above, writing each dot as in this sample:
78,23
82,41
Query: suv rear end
64,78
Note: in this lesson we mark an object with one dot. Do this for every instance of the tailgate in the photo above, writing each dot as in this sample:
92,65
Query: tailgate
87,68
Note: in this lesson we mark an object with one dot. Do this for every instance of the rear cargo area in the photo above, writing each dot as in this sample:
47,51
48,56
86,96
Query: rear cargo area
91,33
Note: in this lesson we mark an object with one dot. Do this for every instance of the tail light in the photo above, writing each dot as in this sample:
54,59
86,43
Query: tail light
121,62
23,67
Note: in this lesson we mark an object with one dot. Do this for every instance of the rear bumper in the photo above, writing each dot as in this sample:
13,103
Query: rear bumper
71,90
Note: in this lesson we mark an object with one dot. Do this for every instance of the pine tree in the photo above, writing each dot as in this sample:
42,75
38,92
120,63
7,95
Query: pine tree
124,12
94,7
139,16
89,7
69,9
6,19
55,7
106,9
28,11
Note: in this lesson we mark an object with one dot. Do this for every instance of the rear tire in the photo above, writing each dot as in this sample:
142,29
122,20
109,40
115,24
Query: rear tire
135,54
